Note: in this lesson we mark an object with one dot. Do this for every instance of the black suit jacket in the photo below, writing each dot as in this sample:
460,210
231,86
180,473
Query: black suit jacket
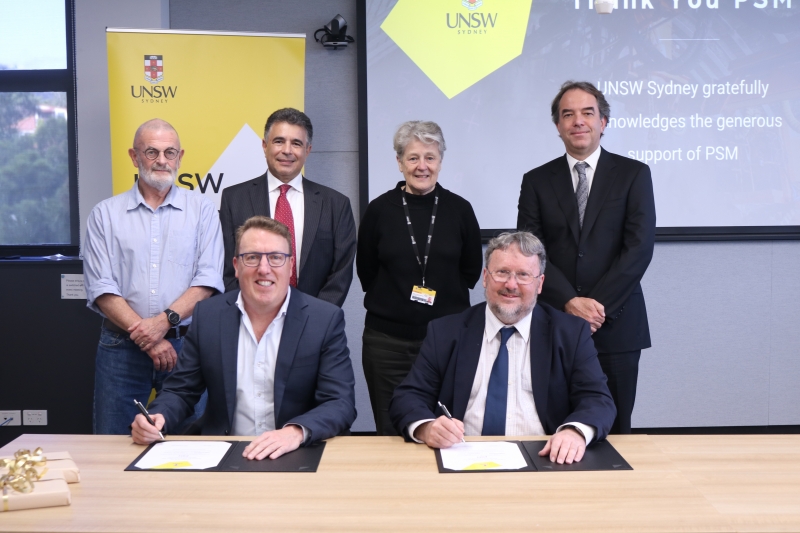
329,236
314,383
608,257
568,384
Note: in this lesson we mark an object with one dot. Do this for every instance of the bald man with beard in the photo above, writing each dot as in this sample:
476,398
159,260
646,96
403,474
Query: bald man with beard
150,255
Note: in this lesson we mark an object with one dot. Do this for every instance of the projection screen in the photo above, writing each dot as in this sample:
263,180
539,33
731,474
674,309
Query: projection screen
706,92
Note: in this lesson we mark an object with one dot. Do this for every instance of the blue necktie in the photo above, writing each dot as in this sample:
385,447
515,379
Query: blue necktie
494,415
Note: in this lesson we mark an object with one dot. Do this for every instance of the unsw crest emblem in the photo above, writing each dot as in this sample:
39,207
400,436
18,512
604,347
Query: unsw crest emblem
154,68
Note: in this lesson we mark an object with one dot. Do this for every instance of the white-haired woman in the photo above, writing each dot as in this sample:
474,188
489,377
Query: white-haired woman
412,272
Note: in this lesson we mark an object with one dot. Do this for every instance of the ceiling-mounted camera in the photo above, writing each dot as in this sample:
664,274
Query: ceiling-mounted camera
335,34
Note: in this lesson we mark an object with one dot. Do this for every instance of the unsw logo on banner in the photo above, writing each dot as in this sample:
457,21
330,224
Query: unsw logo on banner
457,43
154,73
222,142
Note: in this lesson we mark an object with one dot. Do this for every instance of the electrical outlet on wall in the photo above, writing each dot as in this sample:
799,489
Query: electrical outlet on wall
10,418
36,417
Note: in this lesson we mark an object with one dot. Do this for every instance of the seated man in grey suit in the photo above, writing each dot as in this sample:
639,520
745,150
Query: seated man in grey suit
275,361
509,366
319,219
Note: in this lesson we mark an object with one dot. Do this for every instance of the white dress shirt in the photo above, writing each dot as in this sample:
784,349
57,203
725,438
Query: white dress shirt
521,415
296,202
591,161
255,373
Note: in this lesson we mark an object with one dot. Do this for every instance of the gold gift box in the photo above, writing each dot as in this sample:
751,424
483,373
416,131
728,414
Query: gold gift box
60,462
50,491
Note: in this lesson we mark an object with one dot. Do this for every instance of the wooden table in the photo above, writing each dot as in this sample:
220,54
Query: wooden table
679,483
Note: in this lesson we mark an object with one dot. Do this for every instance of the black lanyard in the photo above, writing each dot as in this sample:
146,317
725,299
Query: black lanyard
423,262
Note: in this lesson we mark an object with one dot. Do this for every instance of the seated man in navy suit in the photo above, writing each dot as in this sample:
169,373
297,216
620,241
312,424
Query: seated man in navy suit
275,361
509,366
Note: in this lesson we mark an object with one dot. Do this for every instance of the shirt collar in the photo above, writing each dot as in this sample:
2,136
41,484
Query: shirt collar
591,160
173,198
493,325
281,311
273,183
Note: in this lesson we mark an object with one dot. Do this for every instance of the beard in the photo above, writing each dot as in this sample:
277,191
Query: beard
509,313
154,181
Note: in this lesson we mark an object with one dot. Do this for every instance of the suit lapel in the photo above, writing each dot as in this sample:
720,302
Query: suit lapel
561,181
259,199
469,353
229,351
601,185
293,326
541,350
313,210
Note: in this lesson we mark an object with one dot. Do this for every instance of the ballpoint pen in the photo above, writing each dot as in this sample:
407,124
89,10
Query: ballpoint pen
147,416
447,414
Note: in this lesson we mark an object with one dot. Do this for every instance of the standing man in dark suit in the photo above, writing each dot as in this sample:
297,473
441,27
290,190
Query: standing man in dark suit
509,366
275,361
319,219
594,211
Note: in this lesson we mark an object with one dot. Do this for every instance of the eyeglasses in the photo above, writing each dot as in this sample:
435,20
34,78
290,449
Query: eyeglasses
169,153
253,259
523,278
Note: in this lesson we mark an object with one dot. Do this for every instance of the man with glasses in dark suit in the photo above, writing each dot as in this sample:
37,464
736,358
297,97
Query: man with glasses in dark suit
274,360
507,367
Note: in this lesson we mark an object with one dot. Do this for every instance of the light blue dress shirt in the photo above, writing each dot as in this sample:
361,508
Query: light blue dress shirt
150,257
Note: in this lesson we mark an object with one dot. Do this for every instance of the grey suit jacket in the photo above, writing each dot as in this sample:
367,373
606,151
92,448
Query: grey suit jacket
329,236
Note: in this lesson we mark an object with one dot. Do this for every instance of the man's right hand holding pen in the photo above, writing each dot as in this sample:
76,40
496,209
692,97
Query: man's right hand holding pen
143,432
441,433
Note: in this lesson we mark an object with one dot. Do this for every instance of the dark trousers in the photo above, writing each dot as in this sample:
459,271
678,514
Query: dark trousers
387,361
622,371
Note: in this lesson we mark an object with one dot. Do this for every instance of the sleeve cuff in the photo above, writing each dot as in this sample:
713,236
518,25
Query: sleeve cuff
412,427
213,282
95,292
586,430
305,431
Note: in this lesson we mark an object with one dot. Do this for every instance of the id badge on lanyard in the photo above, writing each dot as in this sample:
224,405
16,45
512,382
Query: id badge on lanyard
421,293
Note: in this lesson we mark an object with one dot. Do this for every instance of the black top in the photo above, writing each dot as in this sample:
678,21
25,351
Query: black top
388,268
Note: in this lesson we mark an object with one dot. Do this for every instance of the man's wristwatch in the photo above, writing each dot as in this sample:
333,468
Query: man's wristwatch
173,317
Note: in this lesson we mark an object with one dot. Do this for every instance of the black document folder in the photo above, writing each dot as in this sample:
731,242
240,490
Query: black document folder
599,456
305,459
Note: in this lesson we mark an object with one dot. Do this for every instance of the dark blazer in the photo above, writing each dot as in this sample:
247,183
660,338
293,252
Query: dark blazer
314,383
568,384
329,236
608,257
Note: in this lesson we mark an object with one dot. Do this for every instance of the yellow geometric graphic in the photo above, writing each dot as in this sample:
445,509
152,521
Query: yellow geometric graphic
456,43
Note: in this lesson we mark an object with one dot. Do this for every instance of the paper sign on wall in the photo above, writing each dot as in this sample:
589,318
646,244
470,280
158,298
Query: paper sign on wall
72,287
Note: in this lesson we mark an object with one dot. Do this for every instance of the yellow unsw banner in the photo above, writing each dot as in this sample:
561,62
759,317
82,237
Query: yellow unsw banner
216,88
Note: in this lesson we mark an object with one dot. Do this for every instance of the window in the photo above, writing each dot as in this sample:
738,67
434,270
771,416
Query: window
38,173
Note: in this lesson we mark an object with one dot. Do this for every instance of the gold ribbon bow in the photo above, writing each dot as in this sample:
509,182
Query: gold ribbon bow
22,472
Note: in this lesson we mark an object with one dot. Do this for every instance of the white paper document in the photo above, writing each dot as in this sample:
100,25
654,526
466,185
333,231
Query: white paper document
187,454
483,456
